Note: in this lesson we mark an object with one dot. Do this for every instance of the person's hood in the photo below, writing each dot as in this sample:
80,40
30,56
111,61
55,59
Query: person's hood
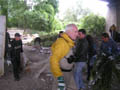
68,39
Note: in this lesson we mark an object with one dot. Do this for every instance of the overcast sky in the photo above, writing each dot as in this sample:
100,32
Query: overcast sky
96,6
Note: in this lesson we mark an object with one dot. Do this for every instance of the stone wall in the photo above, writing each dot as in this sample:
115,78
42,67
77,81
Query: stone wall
2,43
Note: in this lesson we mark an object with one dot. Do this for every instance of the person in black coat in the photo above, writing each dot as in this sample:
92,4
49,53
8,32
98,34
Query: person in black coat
114,33
80,52
7,45
92,53
16,50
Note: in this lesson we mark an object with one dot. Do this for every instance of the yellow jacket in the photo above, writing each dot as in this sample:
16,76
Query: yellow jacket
59,49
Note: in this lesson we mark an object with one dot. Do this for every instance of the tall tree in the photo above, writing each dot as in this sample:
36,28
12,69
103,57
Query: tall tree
54,3
13,10
20,14
47,14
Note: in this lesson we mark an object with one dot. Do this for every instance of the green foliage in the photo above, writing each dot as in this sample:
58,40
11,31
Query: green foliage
94,24
40,16
57,24
54,3
4,8
48,38
44,18
83,18
14,11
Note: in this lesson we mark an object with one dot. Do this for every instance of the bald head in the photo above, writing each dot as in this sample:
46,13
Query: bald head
72,31
70,27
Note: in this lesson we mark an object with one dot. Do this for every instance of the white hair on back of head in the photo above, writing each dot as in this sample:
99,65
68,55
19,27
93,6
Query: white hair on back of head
70,27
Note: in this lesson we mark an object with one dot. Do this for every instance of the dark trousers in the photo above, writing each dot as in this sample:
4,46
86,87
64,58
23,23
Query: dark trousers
7,54
106,76
89,68
16,67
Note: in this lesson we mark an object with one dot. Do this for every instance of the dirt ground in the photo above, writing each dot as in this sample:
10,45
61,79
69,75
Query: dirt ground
36,76
31,79
28,80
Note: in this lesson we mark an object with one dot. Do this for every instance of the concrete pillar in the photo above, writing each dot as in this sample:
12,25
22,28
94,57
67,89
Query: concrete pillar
2,43
118,17
113,15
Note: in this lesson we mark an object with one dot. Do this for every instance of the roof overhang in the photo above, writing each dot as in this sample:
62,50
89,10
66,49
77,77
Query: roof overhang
110,0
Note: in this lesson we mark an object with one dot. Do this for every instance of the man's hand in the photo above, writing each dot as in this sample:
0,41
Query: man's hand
111,57
95,56
71,59
9,62
103,54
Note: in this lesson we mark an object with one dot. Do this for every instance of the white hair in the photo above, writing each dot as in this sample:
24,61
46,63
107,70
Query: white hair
70,27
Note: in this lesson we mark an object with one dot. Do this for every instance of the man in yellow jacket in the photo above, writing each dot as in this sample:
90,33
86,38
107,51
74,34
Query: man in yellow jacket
59,49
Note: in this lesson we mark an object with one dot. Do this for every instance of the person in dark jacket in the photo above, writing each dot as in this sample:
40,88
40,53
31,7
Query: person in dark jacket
114,33
80,53
16,50
7,45
37,43
92,53
108,52
108,46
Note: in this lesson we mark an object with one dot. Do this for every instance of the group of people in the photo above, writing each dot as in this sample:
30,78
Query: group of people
70,54
68,75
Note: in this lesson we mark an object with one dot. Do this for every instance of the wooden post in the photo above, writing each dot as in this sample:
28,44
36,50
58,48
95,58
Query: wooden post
2,43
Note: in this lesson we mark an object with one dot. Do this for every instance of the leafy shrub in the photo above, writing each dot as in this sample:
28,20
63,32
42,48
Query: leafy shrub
94,24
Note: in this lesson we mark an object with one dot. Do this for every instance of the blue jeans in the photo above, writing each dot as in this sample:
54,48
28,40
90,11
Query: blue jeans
78,75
